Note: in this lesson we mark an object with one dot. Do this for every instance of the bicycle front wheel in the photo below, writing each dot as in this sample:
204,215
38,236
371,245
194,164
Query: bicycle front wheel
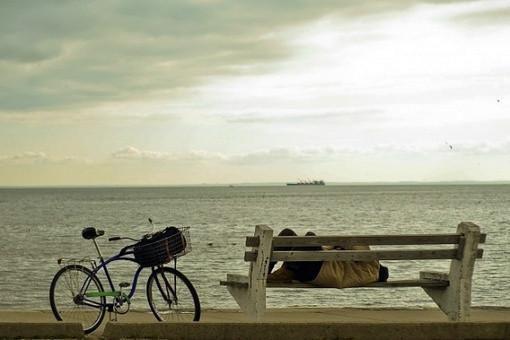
75,296
171,296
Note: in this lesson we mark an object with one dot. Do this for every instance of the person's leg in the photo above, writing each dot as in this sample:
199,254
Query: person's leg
383,273
284,232
305,271
282,274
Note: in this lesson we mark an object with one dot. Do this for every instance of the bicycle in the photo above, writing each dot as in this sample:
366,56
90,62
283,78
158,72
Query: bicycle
77,294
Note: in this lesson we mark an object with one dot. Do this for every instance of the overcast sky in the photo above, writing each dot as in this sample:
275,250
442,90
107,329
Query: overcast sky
205,91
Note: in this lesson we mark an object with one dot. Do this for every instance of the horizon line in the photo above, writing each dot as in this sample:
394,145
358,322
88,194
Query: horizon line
247,184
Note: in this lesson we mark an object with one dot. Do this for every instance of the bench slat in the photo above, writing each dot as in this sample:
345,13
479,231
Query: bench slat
314,241
359,255
238,278
389,284
438,276
234,283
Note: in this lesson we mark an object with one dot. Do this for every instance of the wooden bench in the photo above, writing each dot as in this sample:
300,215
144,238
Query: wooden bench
450,291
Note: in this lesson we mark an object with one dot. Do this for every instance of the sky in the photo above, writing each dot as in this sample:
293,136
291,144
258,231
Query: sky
218,92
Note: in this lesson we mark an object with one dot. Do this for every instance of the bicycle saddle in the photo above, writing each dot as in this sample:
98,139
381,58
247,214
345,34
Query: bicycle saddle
90,233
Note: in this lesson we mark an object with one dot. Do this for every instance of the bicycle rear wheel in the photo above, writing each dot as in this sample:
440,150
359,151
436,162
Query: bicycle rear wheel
70,300
171,296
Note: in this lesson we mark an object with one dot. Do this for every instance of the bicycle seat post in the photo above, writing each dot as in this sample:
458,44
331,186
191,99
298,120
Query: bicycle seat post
98,250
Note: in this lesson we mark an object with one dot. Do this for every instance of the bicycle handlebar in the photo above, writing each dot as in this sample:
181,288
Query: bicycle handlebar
117,238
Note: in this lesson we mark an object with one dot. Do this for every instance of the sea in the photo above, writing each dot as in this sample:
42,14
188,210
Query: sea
40,225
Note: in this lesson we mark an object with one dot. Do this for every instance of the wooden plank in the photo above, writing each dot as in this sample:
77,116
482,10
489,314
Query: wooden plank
349,240
389,284
252,241
357,255
234,283
482,238
360,255
256,305
479,253
408,283
438,276
314,241
238,278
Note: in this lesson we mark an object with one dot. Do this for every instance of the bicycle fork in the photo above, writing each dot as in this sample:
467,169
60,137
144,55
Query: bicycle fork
169,291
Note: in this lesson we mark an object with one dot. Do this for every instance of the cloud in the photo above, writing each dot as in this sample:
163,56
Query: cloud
77,54
486,17
131,153
39,158
304,118
260,157
25,157
484,148
281,154
320,154
266,156
134,154
135,166
287,155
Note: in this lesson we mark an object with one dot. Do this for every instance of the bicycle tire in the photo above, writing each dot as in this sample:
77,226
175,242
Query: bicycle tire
180,307
65,276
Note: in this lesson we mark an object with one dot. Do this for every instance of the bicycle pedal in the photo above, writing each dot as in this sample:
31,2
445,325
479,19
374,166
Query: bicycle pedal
124,284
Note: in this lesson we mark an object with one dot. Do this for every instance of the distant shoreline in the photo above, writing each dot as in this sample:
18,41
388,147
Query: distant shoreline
268,184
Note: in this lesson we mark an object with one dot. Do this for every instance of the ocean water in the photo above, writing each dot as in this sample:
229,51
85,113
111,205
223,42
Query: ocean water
38,226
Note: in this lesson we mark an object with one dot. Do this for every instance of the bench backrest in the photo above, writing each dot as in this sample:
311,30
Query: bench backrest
457,240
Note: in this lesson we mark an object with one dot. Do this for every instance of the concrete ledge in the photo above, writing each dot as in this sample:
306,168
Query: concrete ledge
310,331
40,330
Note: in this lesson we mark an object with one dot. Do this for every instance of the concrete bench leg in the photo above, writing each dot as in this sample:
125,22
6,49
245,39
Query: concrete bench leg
455,300
250,292
242,297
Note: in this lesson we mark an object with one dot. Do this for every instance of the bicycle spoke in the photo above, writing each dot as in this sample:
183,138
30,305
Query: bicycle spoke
167,291
67,280
91,303
172,297
67,297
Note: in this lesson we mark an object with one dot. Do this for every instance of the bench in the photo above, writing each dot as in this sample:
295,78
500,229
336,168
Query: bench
450,291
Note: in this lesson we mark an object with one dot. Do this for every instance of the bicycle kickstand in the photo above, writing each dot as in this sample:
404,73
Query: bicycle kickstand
110,311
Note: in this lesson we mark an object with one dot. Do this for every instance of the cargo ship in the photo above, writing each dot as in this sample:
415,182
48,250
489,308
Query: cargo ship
313,182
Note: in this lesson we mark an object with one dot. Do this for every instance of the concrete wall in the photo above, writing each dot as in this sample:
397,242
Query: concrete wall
40,330
310,331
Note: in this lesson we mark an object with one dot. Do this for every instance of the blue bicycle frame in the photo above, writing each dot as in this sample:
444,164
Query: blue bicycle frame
123,255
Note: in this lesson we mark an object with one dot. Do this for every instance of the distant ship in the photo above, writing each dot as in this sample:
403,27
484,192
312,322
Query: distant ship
313,182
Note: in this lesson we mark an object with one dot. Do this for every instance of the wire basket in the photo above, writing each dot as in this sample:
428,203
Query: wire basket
163,246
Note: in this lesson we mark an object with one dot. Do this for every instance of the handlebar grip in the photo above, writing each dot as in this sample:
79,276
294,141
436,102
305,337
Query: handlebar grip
115,238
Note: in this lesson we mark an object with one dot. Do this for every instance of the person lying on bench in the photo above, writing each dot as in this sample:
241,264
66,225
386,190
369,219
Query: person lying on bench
332,274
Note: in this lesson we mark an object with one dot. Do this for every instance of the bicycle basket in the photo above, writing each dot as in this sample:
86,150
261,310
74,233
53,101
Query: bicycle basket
163,246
